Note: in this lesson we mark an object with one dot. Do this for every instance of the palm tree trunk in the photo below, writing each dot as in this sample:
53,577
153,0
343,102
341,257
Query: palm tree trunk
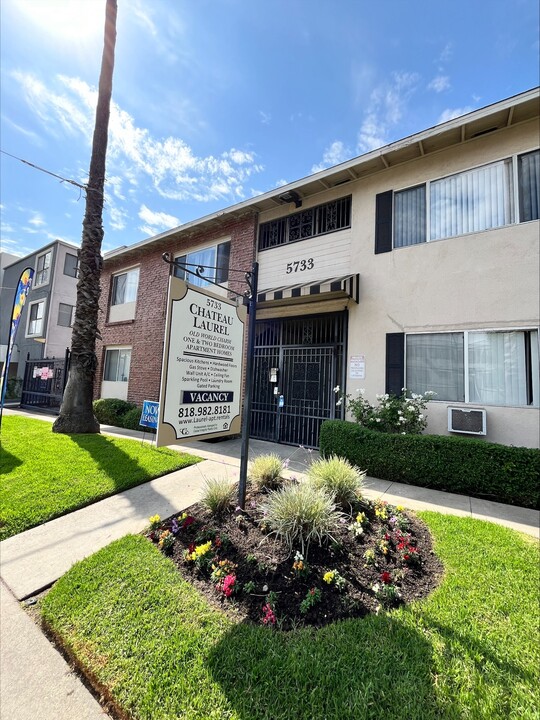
76,413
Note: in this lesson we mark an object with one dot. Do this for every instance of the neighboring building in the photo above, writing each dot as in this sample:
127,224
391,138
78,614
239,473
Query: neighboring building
46,321
415,265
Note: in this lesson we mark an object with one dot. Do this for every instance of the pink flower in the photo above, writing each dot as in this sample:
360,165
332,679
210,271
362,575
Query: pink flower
227,585
269,617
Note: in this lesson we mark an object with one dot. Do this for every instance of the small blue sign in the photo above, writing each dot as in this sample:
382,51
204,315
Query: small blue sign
149,415
281,402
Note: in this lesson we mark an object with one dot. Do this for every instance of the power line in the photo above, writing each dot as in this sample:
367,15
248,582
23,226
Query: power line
48,172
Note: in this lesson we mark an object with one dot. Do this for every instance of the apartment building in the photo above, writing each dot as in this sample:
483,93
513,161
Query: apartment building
415,265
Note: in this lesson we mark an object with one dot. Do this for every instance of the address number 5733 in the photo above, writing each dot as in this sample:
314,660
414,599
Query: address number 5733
300,265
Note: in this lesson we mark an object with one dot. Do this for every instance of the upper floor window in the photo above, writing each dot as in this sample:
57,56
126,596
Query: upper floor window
36,313
319,220
43,269
529,186
471,201
124,288
66,314
71,265
214,261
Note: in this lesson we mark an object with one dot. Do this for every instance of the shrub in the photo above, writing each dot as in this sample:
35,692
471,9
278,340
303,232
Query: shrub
131,419
460,465
338,478
265,472
218,494
109,411
300,513
394,414
14,388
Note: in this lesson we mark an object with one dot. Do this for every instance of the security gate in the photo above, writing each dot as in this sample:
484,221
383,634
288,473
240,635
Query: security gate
297,364
44,382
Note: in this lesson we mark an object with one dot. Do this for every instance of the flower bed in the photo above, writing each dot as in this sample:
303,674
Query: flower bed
380,556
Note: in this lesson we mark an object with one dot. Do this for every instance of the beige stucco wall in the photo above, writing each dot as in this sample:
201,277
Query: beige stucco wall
477,281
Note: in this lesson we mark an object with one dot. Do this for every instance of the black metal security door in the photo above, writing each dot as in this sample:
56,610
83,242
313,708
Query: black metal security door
308,356
44,383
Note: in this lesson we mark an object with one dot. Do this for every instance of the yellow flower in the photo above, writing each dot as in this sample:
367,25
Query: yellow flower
328,577
201,550
400,508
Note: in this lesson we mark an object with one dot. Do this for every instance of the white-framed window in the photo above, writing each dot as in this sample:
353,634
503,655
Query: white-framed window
124,287
214,260
71,265
66,315
486,367
43,269
474,200
36,314
117,364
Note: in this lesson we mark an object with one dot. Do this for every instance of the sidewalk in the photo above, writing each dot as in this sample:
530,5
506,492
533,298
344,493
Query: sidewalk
34,679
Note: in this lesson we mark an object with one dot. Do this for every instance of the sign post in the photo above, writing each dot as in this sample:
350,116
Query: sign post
201,379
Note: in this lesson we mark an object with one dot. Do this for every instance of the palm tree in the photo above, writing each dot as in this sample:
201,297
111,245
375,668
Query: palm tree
76,413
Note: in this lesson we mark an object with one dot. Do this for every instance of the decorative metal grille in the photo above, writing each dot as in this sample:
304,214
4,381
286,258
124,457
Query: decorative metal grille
44,382
309,355
319,220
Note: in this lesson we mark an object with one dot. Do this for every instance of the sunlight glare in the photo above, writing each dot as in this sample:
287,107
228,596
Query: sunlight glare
66,19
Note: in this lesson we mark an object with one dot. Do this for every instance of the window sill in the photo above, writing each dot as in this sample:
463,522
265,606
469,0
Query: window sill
119,322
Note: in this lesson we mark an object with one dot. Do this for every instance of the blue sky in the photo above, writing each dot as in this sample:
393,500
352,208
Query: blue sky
215,101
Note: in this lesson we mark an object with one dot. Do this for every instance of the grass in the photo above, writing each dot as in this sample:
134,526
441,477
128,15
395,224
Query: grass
468,651
45,474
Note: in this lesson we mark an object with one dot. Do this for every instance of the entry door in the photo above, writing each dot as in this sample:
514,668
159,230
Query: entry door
307,382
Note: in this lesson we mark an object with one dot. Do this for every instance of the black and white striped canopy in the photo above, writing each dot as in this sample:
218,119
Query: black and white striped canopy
346,286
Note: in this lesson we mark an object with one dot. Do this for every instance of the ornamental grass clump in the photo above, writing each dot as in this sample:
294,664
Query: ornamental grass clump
338,478
300,513
218,495
265,472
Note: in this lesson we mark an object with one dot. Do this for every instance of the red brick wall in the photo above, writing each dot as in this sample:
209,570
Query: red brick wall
145,334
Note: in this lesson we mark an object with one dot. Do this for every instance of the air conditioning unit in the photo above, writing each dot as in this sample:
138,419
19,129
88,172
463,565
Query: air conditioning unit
470,422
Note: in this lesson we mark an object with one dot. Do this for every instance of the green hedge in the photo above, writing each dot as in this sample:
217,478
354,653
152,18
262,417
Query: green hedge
460,465
110,411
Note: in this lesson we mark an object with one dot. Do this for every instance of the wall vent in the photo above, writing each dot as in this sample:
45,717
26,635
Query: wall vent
471,422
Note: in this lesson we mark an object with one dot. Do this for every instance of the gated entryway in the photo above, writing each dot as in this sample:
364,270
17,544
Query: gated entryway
300,360
44,382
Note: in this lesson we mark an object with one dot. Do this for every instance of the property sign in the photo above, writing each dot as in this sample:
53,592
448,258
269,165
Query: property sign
201,381
149,415
357,367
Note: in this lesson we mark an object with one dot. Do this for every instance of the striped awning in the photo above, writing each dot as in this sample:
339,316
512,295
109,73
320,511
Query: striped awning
346,286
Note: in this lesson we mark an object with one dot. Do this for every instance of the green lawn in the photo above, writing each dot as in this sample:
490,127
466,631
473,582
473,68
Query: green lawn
470,650
44,475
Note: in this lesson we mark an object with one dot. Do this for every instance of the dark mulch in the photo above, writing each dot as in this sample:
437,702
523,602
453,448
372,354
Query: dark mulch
268,565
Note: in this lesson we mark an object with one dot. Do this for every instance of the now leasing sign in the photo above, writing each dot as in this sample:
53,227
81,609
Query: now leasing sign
201,385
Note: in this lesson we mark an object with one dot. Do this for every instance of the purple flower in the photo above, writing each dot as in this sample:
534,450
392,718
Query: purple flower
174,526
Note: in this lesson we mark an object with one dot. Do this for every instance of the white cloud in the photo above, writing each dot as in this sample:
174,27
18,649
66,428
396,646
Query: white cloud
446,52
439,83
37,220
333,155
451,113
157,220
169,163
281,182
29,134
385,109
265,117
117,217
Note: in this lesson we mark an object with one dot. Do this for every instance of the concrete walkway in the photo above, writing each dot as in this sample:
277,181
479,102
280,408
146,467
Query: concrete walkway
34,679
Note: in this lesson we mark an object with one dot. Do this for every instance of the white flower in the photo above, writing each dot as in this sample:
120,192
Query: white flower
375,588
339,402
420,417
410,408
399,413
377,419
336,389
